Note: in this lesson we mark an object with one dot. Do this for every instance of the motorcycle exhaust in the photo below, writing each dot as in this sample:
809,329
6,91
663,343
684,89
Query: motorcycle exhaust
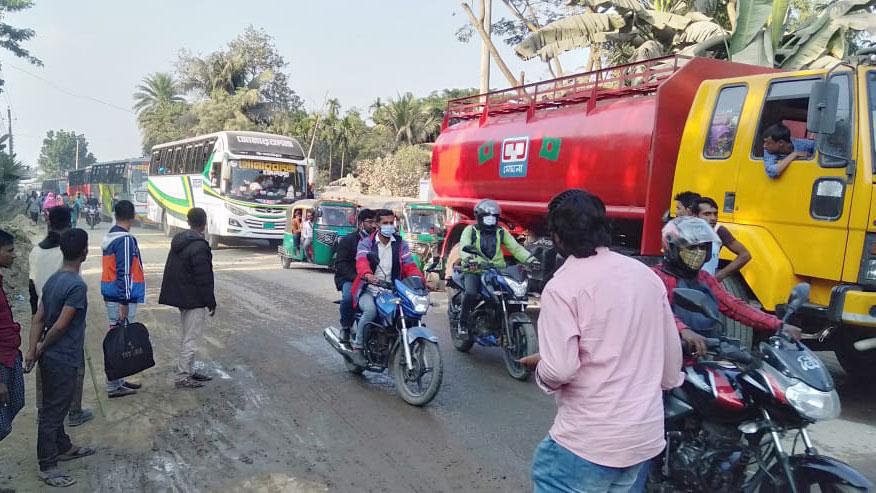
866,344
331,336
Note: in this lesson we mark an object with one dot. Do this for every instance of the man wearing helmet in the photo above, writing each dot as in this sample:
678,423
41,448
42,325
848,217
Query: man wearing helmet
687,246
488,237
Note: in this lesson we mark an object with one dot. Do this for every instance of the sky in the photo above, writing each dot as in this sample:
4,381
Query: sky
351,50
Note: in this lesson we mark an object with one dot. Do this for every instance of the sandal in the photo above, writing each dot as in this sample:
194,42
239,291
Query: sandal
76,453
57,478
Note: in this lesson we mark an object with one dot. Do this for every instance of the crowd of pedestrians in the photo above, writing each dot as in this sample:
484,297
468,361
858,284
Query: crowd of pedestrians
59,303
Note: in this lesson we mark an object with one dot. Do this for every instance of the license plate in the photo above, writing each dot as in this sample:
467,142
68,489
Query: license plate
269,225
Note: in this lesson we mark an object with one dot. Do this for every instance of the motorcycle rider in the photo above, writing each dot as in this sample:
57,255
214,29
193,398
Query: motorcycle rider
687,246
345,269
489,238
395,262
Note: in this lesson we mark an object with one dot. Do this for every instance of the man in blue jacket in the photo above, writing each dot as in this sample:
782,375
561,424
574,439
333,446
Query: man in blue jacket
122,284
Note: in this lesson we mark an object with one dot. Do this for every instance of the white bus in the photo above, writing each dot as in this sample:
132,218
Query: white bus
244,180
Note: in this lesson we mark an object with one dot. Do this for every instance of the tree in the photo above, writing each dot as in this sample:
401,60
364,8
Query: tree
58,154
398,174
158,89
11,170
411,122
165,123
12,38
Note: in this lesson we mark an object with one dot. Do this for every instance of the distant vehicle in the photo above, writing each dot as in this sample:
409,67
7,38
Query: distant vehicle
332,220
246,182
54,185
79,181
124,179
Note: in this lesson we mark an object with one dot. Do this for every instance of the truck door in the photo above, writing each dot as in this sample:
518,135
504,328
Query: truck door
807,208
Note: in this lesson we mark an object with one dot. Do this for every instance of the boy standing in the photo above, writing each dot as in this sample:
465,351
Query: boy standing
57,341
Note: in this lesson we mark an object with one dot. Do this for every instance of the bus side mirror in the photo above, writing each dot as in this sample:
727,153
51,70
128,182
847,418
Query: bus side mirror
823,102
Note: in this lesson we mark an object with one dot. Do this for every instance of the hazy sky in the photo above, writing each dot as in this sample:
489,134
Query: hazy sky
353,50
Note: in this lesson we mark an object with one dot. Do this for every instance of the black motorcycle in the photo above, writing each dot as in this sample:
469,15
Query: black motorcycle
92,215
725,425
499,318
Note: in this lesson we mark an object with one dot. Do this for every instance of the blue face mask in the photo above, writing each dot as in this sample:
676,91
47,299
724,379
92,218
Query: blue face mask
387,230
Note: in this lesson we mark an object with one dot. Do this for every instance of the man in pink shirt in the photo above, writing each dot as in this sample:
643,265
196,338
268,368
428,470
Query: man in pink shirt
608,349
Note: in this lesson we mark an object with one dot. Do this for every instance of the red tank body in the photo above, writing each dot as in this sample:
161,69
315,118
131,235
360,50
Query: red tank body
614,132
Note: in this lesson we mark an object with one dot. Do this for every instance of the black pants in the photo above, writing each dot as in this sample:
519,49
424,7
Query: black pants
470,298
59,385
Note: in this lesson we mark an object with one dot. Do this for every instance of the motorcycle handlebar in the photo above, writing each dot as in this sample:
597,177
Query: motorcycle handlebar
728,350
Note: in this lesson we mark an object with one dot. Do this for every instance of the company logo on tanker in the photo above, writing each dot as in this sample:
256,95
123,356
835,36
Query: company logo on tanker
515,156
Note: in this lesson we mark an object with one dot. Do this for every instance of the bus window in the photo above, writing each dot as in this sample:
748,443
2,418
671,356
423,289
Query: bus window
787,102
725,120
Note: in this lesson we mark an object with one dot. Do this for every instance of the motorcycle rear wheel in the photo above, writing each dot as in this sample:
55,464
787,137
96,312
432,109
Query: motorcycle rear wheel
426,359
524,343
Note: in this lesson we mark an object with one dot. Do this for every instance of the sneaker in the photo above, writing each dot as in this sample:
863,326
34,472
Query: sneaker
79,418
121,392
188,383
132,385
200,377
345,335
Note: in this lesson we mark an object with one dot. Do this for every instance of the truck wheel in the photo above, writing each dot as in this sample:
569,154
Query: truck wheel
855,363
735,285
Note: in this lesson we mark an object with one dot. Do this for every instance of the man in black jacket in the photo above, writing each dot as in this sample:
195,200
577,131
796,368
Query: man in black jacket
188,285
345,269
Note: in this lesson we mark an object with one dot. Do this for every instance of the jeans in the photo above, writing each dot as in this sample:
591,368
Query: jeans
472,288
193,322
14,380
346,307
58,382
112,313
305,248
296,242
76,404
369,314
556,469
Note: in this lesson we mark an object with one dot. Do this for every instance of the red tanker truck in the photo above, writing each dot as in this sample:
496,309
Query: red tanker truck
637,134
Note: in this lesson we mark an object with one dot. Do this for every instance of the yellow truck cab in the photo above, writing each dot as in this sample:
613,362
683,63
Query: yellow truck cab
816,222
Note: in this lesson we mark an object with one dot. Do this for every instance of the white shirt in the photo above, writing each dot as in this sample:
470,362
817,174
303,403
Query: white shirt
384,270
307,229
44,263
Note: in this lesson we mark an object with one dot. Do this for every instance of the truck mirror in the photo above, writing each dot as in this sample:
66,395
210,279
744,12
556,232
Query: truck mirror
823,102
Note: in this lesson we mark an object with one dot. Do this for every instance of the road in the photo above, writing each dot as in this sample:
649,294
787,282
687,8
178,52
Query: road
283,415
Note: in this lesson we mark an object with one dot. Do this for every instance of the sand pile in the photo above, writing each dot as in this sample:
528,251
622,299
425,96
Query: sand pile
15,279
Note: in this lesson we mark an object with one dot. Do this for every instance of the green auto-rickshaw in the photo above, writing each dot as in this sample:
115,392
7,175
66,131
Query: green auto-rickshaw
332,219
422,225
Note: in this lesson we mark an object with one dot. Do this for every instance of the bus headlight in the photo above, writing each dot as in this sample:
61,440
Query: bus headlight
237,211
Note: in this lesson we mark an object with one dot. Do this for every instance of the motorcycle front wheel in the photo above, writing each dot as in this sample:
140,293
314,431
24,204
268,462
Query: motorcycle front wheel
461,342
419,384
524,341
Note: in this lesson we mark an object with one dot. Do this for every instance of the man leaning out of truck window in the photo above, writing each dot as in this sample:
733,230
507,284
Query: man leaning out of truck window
779,149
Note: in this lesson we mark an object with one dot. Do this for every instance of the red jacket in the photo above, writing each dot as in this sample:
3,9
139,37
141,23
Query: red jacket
730,306
403,264
10,332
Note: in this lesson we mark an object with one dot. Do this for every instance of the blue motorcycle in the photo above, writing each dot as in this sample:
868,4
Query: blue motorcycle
399,341
499,318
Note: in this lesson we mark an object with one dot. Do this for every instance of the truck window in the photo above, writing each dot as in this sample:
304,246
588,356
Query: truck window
725,120
787,102
836,148
871,94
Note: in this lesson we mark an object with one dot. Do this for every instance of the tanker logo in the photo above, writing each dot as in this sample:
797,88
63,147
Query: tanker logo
486,151
515,155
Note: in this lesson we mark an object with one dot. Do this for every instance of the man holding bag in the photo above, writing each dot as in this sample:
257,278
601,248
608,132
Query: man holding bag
188,285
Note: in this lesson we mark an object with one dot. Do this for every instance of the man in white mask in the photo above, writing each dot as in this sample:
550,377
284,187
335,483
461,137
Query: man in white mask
488,237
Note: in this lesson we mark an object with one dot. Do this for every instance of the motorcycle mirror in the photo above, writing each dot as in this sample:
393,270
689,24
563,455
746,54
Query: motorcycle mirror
470,249
799,296
693,300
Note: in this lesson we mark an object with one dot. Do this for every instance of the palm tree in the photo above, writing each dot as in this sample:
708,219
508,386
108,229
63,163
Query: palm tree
11,172
156,90
411,122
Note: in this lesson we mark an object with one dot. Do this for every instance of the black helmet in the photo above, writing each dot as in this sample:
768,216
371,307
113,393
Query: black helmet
487,208
687,244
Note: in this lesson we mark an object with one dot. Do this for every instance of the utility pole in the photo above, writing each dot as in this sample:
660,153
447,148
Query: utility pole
486,20
9,116
77,152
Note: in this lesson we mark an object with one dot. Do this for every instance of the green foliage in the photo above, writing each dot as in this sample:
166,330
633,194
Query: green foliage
158,89
58,154
12,38
11,171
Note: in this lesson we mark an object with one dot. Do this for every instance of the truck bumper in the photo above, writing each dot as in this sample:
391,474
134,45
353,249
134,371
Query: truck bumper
853,306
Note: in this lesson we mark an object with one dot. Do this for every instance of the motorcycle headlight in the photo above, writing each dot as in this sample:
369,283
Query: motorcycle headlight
518,288
813,404
420,302
237,211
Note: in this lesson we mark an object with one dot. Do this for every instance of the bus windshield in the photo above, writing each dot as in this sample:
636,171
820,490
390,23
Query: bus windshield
266,183
335,215
138,179
425,221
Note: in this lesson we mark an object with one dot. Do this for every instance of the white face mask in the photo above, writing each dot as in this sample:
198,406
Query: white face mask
489,220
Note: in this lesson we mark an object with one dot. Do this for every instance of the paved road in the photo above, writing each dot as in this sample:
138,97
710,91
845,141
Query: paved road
282,414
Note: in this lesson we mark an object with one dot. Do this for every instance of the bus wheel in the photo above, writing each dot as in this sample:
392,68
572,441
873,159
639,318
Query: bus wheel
855,363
